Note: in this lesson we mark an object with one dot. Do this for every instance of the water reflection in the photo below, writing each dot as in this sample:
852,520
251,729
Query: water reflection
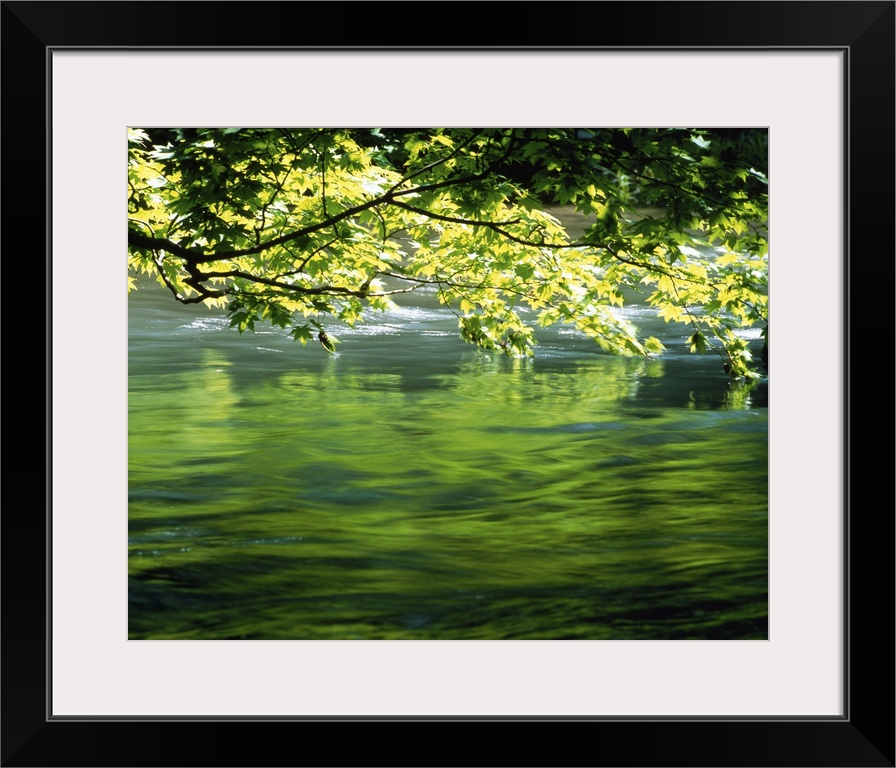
410,487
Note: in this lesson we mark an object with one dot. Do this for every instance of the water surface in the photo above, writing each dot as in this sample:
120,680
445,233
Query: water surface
412,487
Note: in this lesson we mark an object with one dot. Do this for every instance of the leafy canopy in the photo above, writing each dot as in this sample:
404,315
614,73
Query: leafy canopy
289,225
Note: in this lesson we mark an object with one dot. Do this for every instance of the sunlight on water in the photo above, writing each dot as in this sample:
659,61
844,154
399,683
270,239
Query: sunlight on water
412,487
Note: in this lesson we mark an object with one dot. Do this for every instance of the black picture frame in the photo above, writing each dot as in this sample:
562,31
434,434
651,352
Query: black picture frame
864,736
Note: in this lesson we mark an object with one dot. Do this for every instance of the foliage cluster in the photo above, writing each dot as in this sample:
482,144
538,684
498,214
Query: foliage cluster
290,226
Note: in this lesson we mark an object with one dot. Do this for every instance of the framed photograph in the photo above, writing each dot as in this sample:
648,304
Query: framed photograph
113,656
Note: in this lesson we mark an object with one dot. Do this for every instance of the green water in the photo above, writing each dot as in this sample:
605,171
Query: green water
411,487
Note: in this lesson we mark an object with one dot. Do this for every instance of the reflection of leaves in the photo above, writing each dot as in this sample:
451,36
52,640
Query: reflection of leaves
585,388
738,393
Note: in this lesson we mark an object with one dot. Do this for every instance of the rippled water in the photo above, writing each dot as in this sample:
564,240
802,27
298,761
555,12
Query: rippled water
412,487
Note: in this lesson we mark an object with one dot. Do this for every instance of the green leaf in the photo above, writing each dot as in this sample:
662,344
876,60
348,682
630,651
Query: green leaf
328,341
524,271
653,344
291,223
302,333
698,343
